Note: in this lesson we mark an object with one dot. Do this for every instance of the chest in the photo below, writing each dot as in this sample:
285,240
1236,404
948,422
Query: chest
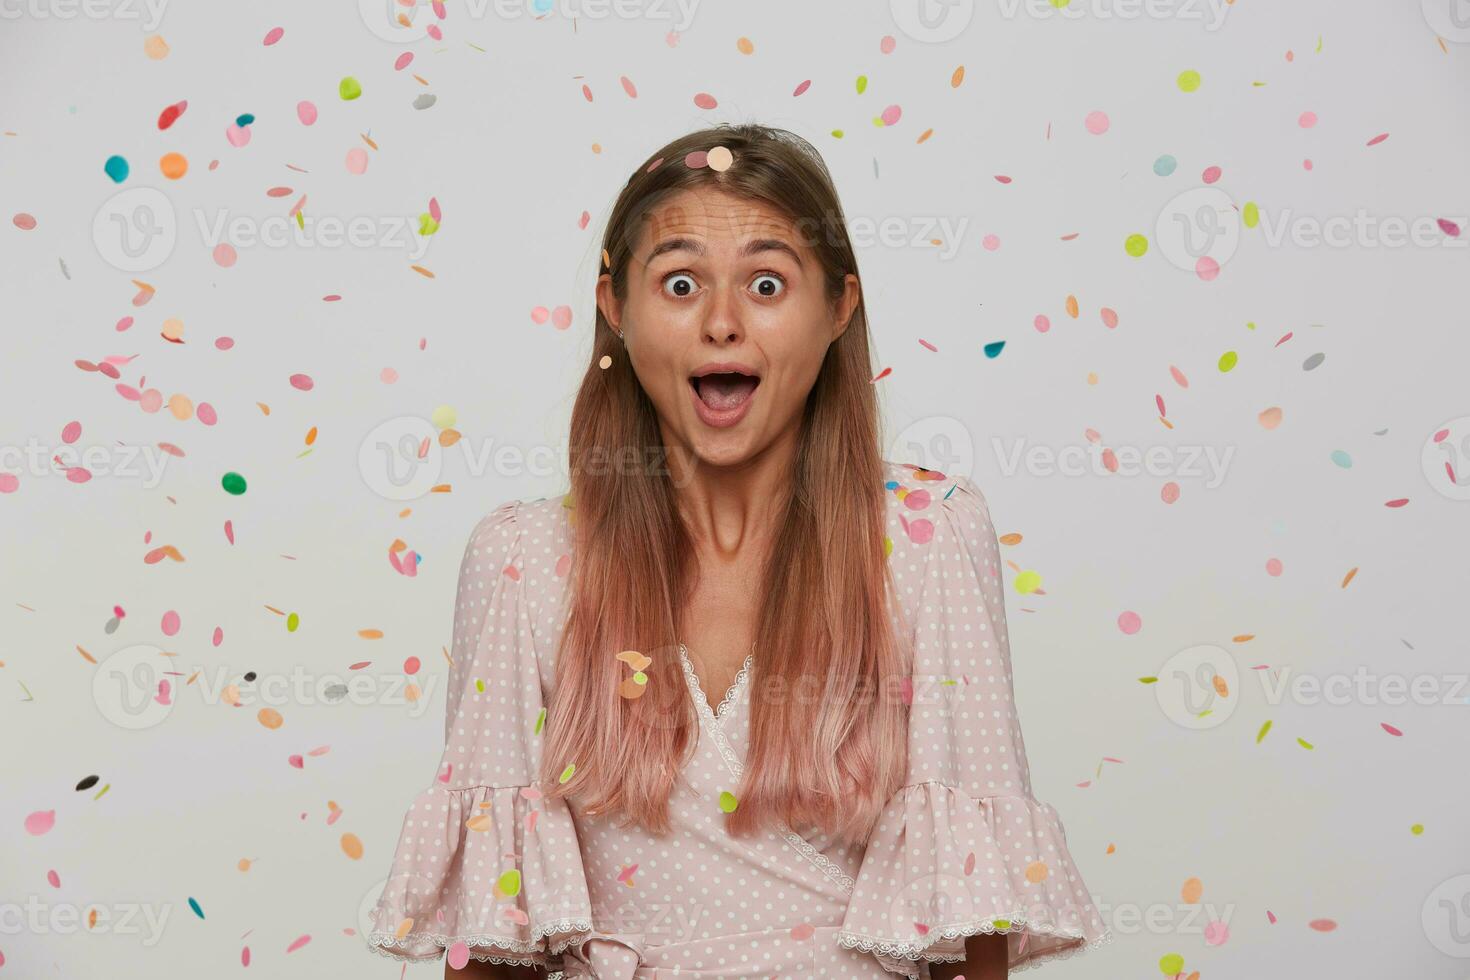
718,626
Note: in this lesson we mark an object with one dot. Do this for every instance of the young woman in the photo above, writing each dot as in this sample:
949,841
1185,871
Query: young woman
739,705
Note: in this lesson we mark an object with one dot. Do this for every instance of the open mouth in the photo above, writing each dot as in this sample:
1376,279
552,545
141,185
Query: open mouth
723,391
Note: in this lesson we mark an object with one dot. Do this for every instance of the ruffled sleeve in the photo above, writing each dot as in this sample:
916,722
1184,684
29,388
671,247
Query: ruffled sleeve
483,859
964,848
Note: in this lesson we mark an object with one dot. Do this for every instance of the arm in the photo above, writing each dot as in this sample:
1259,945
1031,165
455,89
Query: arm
985,959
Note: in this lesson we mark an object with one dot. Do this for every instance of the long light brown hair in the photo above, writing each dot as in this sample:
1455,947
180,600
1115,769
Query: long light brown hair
828,724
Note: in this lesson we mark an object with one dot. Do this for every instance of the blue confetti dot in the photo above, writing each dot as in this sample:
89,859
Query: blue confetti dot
1342,459
994,348
197,910
245,119
1164,165
117,169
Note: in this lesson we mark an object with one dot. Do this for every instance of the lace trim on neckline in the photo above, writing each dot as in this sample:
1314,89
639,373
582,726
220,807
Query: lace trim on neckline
719,712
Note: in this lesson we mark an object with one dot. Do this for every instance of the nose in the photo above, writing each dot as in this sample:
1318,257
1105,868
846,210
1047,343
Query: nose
722,317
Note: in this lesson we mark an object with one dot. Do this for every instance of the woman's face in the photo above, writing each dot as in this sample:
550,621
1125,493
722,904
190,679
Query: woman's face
725,320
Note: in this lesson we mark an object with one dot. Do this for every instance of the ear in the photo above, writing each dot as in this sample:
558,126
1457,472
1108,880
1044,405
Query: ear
608,303
846,305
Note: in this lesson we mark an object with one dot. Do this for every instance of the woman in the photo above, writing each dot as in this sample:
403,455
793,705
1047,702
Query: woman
857,805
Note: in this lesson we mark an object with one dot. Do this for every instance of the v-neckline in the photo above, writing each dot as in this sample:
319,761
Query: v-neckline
715,714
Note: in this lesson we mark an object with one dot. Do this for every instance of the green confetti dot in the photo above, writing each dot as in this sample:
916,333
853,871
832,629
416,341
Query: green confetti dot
427,224
862,84
837,133
1136,245
233,483
1305,744
1227,361
1262,733
567,772
1148,680
349,88
728,803
640,677
292,621
443,417
540,720
1028,582
480,685
1188,80
1417,829
1171,964
1002,923
1251,214
1250,325
510,882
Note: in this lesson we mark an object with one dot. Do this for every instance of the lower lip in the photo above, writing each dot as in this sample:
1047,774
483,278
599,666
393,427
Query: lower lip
721,419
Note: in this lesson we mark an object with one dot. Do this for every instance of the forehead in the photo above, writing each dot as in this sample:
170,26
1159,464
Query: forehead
714,216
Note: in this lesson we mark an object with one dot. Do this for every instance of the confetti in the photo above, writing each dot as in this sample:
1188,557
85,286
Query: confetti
349,88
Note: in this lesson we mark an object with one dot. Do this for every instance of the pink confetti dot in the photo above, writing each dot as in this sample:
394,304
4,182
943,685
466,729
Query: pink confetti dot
705,101
40,822
205,413
170,624
9,483
561,317
225,255
1216,933
990,242
887,44
891,115
1097,122
302,382
1307,164
1273,567
1307,119
1211,175
1323,925
403,61
540,314
1042,323
237,135
1207,268
1130,622
53,879
388,375
24,221
411,666
218,637
457,956
306,112
1170,492
801,89
71,432
1109,318
357,160
298,943
273,35
224,343
1448,227
123,324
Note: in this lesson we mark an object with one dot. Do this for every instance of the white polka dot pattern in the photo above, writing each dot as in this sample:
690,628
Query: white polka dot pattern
961,849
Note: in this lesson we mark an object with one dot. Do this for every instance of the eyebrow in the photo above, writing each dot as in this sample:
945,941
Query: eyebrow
753,247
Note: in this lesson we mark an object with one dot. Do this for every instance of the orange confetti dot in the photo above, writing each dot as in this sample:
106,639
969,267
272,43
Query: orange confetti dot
270,718
1192,890
352,846
173,165
1037,871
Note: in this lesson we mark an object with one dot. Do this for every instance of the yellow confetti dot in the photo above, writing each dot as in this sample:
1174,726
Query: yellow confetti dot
443,417
728,803
1028,582
1189,81
1251,214
1228,360
480,685
1417,829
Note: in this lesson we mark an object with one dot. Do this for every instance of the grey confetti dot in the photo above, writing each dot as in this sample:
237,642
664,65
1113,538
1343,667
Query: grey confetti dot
336,692
64,270
1313,362
425,101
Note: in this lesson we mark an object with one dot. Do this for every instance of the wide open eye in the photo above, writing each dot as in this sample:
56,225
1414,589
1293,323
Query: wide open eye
768,284
679,284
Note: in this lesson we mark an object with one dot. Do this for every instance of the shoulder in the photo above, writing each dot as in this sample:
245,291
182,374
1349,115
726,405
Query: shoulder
525,542
928,508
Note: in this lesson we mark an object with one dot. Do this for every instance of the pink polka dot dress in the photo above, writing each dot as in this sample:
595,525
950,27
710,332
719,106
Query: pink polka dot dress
487,867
